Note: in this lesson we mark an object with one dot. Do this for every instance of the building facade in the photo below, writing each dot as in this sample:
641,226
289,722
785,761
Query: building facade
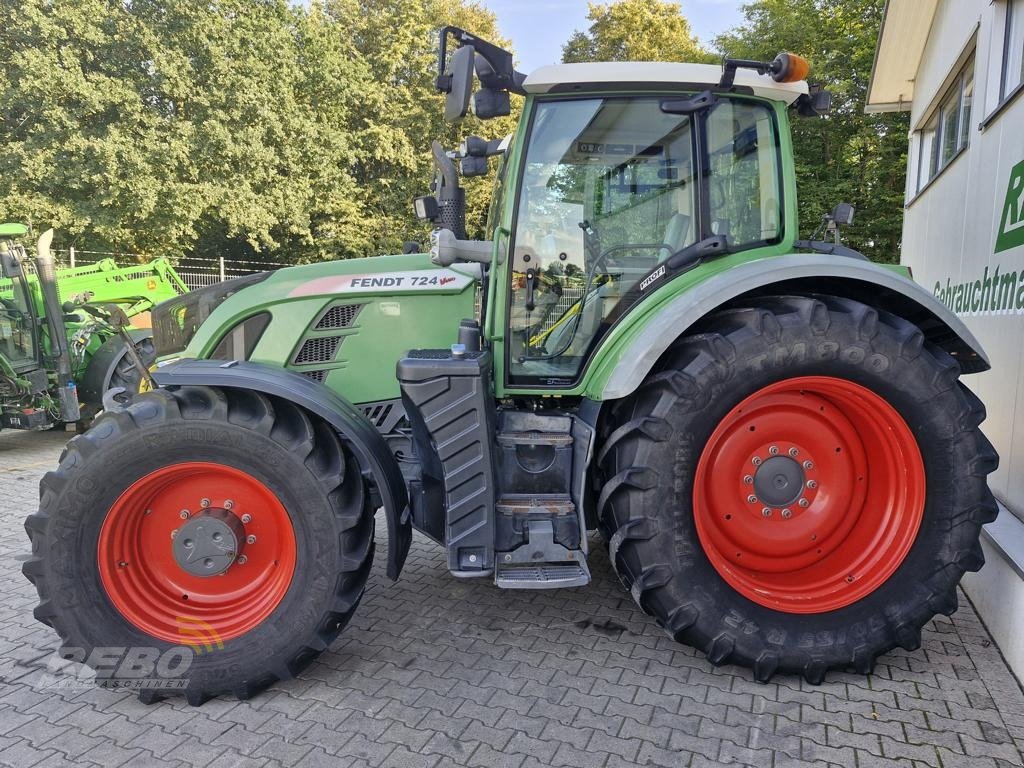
958,67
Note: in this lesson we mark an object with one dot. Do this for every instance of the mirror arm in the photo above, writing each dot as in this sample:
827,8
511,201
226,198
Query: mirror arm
446,249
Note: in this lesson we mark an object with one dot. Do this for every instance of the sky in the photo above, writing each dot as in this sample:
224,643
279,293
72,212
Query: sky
539,28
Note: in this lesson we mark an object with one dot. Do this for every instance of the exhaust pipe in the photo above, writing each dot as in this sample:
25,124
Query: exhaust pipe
46,271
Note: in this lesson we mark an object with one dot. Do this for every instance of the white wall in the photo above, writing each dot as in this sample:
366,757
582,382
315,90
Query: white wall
949,232
950,228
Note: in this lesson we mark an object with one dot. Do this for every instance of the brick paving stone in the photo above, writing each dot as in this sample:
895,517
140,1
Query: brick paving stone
437,673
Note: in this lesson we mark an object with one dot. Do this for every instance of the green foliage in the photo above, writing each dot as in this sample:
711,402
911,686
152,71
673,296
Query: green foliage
635,30
848,155
246,128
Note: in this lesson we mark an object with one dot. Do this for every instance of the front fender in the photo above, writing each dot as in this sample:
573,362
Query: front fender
350,423
794,274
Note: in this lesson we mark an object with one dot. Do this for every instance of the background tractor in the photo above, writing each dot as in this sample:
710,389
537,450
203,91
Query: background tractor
64,335
768,432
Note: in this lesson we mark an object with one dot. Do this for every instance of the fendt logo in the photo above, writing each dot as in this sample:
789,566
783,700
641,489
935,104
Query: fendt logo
1011,223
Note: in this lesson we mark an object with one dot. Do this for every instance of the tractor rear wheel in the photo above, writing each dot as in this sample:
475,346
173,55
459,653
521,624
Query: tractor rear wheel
827,479
230,526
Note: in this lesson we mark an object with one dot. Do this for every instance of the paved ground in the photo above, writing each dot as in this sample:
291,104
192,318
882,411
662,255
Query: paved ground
435,673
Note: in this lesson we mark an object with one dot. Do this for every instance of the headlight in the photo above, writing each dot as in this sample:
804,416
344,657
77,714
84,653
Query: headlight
176,320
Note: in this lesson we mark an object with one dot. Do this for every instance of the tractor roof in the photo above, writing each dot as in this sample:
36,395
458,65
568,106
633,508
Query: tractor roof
563,78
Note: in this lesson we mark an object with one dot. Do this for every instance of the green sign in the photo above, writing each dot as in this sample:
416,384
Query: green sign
1011,223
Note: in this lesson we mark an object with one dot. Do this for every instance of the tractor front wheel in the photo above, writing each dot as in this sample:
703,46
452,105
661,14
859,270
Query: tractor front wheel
827,480
201,541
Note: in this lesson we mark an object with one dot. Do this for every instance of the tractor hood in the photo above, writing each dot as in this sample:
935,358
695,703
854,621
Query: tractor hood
343,323
412,273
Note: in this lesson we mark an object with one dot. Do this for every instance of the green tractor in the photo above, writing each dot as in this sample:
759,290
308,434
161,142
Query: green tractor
768,432
58,358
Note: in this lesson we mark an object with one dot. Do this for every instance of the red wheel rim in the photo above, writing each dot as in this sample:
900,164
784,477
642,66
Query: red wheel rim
824,537
151,588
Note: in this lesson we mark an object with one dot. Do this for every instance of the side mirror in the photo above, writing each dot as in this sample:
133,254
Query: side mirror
473,166
842,214
458,78
9,264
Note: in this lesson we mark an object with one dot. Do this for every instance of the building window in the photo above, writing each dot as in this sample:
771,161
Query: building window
947,132
1013,49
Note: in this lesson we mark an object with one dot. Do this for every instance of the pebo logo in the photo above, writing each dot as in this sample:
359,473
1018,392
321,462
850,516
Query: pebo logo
120,667
1011,223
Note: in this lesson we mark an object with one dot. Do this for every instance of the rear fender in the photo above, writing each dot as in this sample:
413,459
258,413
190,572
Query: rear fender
353,427
795,274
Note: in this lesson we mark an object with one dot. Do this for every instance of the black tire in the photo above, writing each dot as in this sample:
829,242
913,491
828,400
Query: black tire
125,374
300,459
653,441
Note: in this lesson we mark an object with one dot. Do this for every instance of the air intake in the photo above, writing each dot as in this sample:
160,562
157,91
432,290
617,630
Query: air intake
321,349
338,316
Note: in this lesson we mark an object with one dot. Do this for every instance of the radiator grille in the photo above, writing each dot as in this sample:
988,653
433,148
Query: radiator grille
338,316
318,350
315,375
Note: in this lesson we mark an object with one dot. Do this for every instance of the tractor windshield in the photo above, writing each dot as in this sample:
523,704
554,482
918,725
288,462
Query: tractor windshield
17,325
611,189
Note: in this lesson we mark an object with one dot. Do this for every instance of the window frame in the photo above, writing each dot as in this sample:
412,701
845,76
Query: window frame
1007,97
933,129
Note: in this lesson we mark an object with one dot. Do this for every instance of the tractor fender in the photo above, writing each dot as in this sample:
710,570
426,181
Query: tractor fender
793,274
102,364
353,427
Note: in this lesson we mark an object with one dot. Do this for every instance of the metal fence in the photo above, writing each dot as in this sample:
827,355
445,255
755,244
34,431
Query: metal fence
199,272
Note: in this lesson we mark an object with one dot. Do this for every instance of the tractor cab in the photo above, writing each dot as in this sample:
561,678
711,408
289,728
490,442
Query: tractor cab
19,345
613,190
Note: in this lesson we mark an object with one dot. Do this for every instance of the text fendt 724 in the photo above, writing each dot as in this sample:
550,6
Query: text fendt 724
768,432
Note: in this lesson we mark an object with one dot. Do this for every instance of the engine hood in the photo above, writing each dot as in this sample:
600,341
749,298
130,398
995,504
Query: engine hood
377,275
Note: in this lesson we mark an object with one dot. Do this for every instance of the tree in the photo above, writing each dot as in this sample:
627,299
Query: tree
260,129
848,155
635,30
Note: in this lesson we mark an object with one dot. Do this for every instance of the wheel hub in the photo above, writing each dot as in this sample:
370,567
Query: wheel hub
208,543
779,481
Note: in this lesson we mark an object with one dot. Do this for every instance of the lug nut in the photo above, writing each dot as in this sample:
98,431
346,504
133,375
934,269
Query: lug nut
787,513
812,484
204,503
246,518
748,479
229,504
793,452
508,558
250,539
774,450
122,564
756,461
148,512
242,560
804,503
766,512
173,534
808,465
752,499
183,514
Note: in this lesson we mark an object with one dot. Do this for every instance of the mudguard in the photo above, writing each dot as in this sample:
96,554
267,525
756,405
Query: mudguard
102,364
361,436
795,274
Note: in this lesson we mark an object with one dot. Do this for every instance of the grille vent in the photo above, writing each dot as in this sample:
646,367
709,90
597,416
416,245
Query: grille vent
315,375
318,350
378,413
338,316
